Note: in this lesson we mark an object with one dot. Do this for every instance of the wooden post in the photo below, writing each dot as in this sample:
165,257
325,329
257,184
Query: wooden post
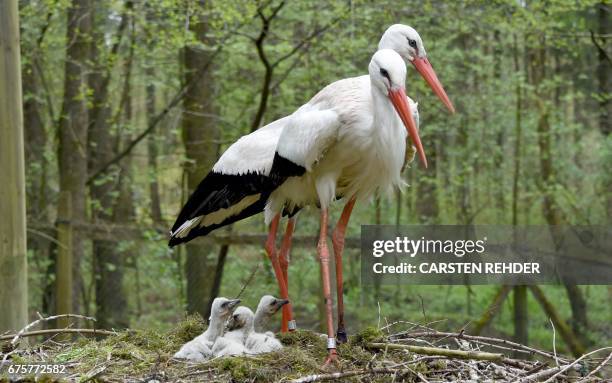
63,273
13,260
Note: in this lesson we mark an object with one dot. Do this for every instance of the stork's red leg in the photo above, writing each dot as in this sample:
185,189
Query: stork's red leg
325,275
338,243
287,324
271,250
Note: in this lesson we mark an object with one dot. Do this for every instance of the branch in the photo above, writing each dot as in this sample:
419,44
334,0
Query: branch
347,374
101,96
432,334
565,368
259,45
60,331
308,38
449,353
600,48
155,120
43,319
600,366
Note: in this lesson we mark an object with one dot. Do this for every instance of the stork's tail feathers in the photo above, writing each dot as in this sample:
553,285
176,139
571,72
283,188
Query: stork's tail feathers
219,200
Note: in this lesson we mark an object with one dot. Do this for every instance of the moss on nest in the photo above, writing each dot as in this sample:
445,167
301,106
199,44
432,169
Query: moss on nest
187,329
367,335
144,354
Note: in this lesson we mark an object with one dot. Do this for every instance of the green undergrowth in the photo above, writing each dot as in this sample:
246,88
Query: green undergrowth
143,354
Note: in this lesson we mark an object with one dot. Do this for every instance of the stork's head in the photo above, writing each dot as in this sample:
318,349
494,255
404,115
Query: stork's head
222,308
241,318
388,75
270,305
406,41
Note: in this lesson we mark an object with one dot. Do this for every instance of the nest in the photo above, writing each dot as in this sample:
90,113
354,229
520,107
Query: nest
418,354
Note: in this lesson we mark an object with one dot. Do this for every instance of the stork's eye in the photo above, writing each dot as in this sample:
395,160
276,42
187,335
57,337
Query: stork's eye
224,304
273,303
384,73
412,43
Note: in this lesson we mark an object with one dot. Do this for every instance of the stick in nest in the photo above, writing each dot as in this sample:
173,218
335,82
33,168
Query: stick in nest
567,367
43,319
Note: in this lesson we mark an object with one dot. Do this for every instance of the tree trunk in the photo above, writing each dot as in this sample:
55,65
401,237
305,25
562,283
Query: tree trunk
603,72
152,144
521,310
199,137
152,152
550,209
111,303
13,260
605,105
38,192
72,156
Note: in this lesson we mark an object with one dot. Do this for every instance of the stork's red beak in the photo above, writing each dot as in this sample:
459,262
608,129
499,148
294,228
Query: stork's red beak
423,66
400,102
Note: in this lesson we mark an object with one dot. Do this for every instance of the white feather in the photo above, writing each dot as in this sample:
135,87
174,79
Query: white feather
307,135
258,343
369,146
252,153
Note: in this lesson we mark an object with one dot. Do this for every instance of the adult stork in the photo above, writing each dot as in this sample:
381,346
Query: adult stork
240,183
348,143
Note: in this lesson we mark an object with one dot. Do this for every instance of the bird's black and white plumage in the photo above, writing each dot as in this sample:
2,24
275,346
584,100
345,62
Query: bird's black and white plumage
237,187
243,179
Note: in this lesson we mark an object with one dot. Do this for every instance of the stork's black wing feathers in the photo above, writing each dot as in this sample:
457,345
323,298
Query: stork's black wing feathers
221,191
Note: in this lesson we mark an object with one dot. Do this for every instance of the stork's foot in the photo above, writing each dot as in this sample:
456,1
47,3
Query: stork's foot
332,361
341,336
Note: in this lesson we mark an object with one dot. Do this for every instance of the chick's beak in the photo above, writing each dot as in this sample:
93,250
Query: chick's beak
233,303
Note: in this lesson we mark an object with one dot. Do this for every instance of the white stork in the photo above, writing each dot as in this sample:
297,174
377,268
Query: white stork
241,182
350,143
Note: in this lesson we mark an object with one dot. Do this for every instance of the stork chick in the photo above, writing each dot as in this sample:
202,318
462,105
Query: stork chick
267,307
200,348
239,326
256,342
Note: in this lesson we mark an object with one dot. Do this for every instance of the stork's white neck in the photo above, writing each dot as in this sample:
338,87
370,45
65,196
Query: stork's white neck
248,328
260,320
385,118
215,328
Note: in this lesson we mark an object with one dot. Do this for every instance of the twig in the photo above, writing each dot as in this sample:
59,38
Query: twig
554,342
436,334
567,367
535,377
450,353
249,280
43,319
60,331
161,115
600,49
346,374
600,366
